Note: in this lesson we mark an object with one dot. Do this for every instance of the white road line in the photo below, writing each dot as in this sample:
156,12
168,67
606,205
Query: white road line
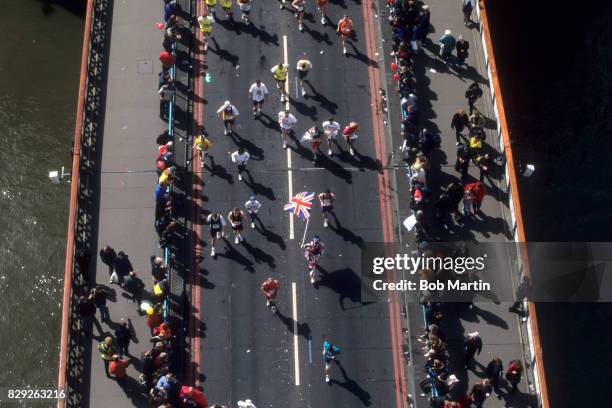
289,171
296,350
297,95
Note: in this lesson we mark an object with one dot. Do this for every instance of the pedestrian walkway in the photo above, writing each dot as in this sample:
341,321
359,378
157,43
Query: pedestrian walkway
440,89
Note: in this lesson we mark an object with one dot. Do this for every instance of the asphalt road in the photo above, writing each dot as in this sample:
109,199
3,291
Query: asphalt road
245,350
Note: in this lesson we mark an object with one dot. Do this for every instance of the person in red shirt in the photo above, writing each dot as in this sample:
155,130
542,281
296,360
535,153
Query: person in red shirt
322,6
345,29
478,193
193,394
350,135
117,368
270,290
154,319
167,60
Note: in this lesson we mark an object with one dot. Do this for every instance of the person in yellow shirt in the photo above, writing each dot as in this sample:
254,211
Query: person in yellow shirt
206,26
227,7
280,72
210,7
202,144
167,176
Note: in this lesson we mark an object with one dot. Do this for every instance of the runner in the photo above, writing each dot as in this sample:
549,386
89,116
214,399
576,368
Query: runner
286,121
228,114
331,129
314,136
280,72
245,9
216,223
327,205
282,4
302,67
270,290
312,252
253,206
206,25
322,6
240,157
258,92
202,144
236,219
329,354
298,7
227,7
345,29
350,135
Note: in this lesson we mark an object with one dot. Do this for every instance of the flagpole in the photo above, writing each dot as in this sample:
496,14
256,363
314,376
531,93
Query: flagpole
305,229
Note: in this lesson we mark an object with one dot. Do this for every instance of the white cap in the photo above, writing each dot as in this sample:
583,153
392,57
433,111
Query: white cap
475,334
284,66
447,32
246,404
226,104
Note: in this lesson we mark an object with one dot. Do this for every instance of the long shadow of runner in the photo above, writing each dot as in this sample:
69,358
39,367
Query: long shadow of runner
325,103
345,282
359,161
269,235
258,188
259,255
223,54
334,168
256,152
360,56
346,234
218,170
350,385
302,328
317,36
269,122
232,254
262,34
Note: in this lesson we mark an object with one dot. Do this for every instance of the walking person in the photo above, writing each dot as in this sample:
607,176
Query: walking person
345,29
286,120
134,285
210,8
252,206
123,334
327,199
522,292
472,94
473,346
228,114
459,122
216,222
107,350
241,158
314,136
478,192
330,353
226,5
258,92
117,369
462,46
107,256
479,392
122,267
483,161
322,7
236,219
467,7
279,73
86,309
330,129
514,373
494,371
447,44
303,66
98,296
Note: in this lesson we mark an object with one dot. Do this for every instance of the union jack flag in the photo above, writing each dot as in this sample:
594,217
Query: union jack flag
300,205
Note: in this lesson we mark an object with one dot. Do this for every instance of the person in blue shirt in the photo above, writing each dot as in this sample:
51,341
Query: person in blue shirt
447,44
329,354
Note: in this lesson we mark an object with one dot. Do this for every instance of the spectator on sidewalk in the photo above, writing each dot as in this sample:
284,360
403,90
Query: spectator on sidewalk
108,255
472,94
83,260
87,312
460,121
514,373
98,295
167,60
473,346
494,371
522,292
123,334
447,45
122,267
468,6
479,392
166,94
462,48
107,350
117,368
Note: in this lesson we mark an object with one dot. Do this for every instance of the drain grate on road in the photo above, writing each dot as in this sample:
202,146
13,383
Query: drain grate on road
145,67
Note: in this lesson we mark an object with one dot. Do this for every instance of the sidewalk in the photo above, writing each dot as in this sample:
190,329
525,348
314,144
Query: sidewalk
440,92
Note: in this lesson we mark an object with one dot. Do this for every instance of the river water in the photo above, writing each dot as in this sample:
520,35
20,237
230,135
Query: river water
39,67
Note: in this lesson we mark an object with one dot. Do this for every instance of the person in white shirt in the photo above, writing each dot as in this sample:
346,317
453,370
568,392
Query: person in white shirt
258,92
240,157
228,114
253,206
303,66
286,121
330,129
